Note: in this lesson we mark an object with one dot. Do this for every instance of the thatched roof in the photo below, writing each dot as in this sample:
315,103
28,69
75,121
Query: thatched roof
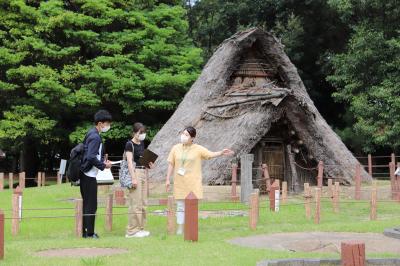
237,117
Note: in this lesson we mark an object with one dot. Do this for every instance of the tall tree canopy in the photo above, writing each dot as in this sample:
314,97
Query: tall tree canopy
62,60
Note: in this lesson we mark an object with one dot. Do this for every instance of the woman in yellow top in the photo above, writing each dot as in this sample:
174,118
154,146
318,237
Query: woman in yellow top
185,163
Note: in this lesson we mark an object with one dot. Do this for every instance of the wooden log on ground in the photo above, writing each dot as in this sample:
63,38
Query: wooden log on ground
171,219
353,253
191,218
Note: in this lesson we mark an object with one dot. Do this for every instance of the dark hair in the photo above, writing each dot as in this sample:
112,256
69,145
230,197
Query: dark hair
191,131
102,116
138,127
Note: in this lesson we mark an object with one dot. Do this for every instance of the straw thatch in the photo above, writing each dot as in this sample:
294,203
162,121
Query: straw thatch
231,111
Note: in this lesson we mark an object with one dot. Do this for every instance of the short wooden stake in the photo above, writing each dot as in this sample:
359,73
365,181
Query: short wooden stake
370,165
266,177
78,217
357,179
1,234
393,158
272,198
1,181
374,195
119,197
171,220
16,210
353,253
59,178
43,182
22,180
191,218
317,217
336,194
330,189
10,180
307,200
109,213
320,173
234,196
392,179
284,192
39,179
253,215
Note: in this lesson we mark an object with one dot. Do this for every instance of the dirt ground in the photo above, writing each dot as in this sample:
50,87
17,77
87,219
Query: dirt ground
327,242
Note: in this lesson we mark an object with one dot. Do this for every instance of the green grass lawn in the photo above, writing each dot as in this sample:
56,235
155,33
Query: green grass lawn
161,249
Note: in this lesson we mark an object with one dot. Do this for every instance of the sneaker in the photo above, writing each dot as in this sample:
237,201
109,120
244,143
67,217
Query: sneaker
94,236
146,233
139,234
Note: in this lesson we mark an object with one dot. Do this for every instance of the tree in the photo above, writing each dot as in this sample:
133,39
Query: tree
367,74
62,60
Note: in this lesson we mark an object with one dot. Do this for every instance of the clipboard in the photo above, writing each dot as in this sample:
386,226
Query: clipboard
105,177
147,158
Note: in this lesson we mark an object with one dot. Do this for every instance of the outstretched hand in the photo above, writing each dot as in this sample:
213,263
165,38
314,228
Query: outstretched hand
227,152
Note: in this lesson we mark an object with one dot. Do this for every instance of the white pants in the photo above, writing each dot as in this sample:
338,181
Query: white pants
180,212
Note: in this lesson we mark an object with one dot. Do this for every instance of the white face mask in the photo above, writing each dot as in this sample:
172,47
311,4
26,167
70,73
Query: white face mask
142,136
105,129
184,139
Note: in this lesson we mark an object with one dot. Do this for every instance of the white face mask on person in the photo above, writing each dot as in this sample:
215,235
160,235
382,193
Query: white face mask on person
105,129
142,136
184,139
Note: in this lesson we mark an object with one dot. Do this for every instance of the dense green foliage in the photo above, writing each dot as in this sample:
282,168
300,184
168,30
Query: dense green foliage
63,60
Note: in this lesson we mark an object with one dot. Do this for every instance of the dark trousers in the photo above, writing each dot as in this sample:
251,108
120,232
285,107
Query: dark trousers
88,186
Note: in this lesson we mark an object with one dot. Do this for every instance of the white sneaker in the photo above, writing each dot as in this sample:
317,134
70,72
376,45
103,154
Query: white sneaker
139,234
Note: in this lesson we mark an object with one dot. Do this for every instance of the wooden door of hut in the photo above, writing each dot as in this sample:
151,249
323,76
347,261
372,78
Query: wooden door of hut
273,155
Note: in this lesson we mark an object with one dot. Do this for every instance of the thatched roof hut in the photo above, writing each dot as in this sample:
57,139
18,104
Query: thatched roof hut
250,98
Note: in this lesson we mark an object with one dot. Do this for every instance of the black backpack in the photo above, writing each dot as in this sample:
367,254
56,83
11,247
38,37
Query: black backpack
74,163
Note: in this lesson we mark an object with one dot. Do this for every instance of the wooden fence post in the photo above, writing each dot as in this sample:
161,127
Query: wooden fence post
393,158
59,178
253,215
119,196
266,177
1,181
1,234
330,189
284,192
109,213
392,179
320,173
22,180
370,164
307,200
374,195
234,196
43,179
39,179
191,218
357,179
353,253
272,199
317,217
336,196
171,220
10,180
246,176
78,217
16,210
